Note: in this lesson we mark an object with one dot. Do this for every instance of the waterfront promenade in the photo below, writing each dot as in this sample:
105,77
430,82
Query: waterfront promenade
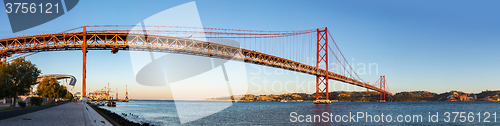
69,114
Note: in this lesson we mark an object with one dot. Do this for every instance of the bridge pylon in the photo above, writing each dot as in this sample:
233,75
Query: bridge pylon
322,58
382,86
84,67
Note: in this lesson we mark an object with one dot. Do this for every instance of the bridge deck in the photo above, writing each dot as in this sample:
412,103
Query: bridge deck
160,43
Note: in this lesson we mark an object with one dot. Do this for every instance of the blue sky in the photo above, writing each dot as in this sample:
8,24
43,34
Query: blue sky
436,46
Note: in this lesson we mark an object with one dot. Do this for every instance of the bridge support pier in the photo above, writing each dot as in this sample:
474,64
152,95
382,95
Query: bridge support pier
84,70
322,57
382,86
322,101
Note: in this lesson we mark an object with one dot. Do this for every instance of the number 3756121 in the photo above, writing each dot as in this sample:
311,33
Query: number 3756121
32,8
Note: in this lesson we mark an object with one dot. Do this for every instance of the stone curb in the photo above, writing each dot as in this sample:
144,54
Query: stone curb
93,118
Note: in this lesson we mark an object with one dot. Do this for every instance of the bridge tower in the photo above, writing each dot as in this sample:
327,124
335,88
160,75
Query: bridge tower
322,58
116,93
382,86
126,92
84,70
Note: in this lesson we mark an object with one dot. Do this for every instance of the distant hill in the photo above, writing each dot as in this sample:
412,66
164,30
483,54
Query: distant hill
488,95
371,96
341,96
414,96
447,96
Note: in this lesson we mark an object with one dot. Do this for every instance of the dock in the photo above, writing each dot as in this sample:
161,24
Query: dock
322,102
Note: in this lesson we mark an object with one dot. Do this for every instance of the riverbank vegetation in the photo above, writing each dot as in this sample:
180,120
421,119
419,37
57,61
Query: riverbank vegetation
16,78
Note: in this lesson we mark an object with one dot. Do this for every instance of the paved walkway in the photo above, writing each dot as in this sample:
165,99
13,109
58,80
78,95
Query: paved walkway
14,113
69,114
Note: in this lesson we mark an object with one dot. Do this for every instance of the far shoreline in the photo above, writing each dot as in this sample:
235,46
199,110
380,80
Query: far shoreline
296,101
368,96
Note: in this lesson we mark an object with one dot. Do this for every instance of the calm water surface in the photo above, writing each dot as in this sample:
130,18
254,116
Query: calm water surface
283,113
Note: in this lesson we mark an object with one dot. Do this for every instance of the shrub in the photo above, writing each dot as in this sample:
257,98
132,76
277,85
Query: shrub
22,104
36,101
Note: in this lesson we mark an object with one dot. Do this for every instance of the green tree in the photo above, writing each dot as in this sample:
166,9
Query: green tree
64,93
17,77
49,88
5,85
69,95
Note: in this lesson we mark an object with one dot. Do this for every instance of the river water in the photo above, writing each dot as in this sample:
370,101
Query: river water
307,113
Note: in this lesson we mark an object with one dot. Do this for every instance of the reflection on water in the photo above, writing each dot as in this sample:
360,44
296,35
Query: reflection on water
319,109
279,113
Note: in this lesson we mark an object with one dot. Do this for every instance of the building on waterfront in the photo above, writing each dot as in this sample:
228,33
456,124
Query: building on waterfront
6,100
78,95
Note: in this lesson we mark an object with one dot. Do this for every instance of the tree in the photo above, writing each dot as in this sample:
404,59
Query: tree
48,88
17,77
5,86
69,95
62,91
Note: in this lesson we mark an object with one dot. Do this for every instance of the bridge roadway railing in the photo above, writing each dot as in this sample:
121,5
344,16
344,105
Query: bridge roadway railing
159,43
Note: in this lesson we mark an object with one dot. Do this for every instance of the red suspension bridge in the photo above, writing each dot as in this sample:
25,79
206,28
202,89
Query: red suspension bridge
306,51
